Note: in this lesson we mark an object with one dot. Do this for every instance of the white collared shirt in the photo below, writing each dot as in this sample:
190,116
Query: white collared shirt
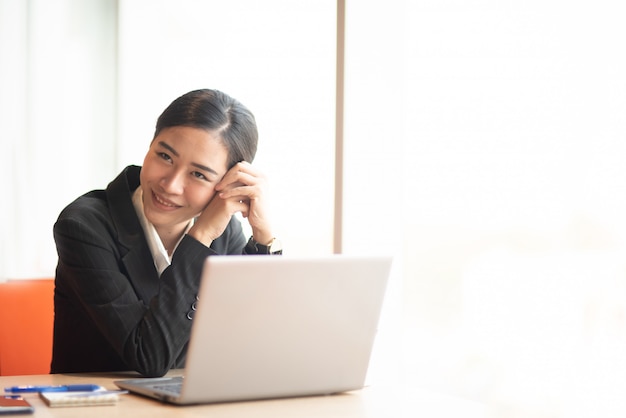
160,256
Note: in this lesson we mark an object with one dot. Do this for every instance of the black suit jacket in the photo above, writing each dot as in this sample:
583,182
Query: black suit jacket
112,310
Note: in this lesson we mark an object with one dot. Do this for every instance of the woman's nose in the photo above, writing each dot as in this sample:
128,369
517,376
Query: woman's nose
173,183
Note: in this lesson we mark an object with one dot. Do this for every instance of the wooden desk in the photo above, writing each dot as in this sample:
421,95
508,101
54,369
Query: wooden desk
371,402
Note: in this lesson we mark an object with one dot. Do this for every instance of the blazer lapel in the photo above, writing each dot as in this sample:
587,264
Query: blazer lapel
134,249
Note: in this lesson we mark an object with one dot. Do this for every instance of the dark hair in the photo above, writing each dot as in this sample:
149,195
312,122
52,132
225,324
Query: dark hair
215,111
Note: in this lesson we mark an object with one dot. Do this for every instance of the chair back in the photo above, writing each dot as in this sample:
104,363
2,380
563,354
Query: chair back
26,321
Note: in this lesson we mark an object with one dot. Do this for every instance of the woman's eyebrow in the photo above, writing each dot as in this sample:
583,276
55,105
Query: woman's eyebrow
200,166
170,149
205,168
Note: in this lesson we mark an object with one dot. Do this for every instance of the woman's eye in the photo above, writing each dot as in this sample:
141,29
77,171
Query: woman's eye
164,156
199,175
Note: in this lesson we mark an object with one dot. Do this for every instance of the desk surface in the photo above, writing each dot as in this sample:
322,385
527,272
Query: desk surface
371,402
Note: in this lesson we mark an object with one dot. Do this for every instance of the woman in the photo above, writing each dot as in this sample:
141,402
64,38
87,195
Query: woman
130,256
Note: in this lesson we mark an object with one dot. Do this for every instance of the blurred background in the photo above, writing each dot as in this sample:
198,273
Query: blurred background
483,148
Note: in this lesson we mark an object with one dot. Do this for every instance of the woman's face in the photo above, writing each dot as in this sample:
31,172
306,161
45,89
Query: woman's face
179,175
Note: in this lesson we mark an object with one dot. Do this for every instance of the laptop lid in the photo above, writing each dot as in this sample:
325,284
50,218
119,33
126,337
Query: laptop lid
280,326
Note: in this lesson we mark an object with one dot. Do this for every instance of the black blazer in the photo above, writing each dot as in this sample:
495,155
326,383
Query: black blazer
112,310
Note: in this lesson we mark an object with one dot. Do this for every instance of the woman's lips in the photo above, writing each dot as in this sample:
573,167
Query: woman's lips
164,203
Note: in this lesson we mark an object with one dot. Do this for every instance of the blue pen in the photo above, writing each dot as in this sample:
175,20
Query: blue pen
63,388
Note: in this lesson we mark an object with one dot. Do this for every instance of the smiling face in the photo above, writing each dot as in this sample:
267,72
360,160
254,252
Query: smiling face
179,175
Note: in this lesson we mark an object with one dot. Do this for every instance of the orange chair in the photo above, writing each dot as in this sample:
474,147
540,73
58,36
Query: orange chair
26,320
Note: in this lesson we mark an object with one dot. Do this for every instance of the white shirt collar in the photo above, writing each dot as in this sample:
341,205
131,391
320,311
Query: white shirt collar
160,256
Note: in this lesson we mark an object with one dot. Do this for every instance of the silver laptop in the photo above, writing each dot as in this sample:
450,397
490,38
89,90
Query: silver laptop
277,326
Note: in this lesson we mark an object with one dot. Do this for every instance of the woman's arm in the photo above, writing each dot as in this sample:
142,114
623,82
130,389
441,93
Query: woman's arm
143,318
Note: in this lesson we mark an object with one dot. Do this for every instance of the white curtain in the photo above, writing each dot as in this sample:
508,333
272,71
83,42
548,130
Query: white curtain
57,107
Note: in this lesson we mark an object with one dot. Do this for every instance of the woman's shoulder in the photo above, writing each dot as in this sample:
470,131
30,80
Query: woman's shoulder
99,203
90,205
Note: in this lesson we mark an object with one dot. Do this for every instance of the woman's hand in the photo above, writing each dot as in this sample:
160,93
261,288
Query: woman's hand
242,189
